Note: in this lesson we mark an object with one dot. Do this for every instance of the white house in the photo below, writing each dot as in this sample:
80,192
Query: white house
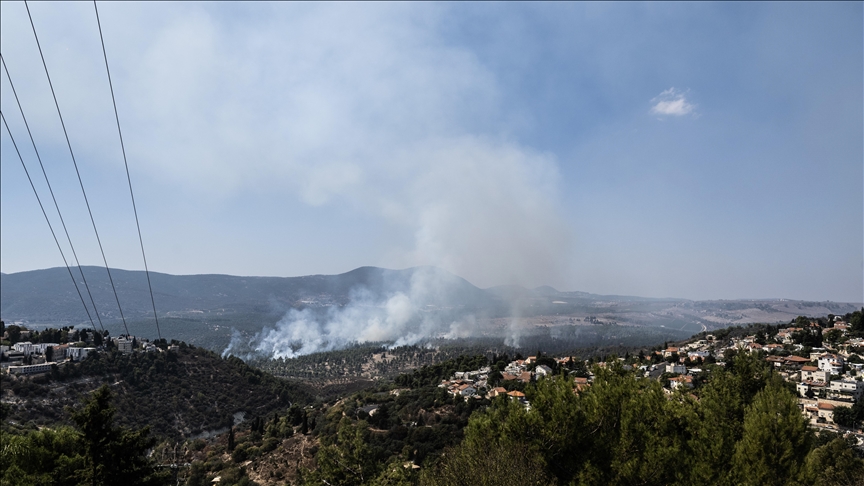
812,373
26,347
676,368
679,381
543,370
846,389
831,363
78,354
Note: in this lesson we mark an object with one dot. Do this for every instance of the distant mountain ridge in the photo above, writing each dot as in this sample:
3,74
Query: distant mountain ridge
198,307
49,295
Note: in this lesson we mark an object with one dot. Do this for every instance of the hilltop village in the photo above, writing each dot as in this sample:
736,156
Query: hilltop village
29,352
818,357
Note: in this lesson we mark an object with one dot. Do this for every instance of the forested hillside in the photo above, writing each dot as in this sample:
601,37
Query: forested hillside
178,394
741,426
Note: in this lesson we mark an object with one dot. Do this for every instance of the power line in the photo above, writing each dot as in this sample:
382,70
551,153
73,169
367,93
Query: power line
69,144
128,177
56,206
48,221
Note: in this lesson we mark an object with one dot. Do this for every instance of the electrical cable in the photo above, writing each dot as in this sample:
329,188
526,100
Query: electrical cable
48,221
128,177
56,206
69,144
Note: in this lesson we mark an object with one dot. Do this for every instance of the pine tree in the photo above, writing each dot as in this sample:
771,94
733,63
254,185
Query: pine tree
114,455
775,441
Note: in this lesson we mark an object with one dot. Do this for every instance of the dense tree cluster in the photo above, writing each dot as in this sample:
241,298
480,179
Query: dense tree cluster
371,360
96,452
744,427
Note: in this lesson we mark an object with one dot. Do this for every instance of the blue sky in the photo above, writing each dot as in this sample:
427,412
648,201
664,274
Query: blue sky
697,150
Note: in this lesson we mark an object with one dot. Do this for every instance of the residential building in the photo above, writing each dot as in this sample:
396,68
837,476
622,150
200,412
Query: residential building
679,381
59,352
846,389
31,369
812,373
751,347
831,363
543,371
78,354
795,361
25,347
676,368
516,395
124,345
826,411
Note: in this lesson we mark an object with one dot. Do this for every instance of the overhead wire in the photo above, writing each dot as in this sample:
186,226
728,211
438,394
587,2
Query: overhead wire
51,190
80,182
126,163
56,241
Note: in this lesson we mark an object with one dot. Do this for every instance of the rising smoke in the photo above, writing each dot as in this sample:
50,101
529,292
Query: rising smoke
427,309
399,124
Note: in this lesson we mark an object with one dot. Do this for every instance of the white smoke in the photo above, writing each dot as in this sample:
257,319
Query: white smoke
399,318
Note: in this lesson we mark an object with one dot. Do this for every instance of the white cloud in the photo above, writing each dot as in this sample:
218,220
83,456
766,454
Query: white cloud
673,103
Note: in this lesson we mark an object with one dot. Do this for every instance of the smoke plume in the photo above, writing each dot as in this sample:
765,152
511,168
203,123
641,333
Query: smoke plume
425,310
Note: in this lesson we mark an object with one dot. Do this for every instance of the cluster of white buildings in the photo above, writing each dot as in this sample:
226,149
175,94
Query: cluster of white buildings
825,386
475,384
825,379
39,357
467,384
